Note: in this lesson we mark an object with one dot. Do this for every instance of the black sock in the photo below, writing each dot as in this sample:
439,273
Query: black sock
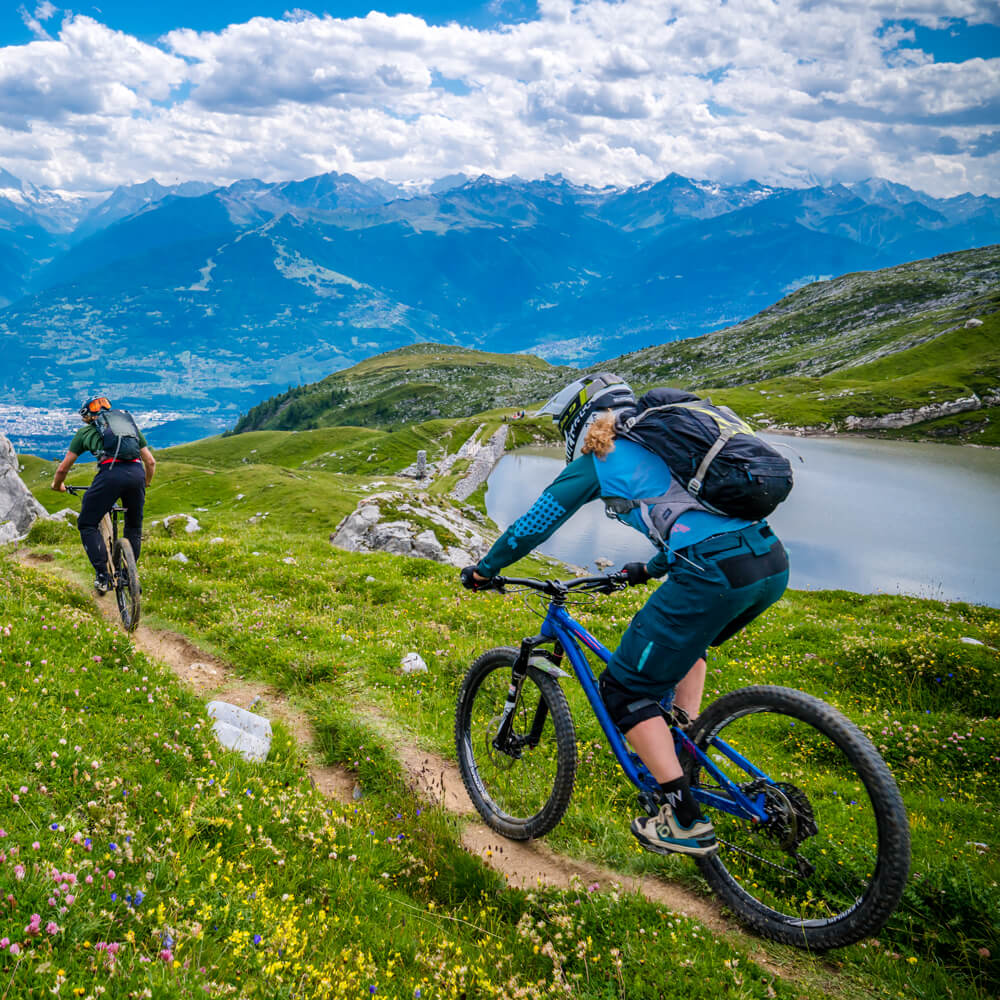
683,803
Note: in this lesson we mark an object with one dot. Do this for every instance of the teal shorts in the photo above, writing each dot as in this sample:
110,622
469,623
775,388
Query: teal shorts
715,588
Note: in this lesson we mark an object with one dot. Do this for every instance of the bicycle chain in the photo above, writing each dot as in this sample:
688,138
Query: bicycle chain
764,861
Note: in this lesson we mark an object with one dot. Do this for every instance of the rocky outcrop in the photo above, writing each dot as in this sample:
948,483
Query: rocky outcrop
916,415
18,508
409,525
484,458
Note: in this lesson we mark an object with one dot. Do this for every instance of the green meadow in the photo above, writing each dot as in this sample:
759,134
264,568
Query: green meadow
231,878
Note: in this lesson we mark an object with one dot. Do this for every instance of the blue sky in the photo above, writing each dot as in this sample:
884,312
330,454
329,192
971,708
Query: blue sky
789,92
149,21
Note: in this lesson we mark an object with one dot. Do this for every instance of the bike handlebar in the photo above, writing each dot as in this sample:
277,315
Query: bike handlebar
77,490
605,584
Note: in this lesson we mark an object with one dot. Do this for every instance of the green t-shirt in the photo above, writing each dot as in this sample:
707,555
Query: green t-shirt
88,438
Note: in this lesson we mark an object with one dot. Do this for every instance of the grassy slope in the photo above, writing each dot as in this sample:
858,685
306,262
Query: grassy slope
159,865
407,385
863,345
318,629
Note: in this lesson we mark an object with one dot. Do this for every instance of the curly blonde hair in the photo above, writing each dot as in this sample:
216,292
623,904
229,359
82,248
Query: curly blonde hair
600,436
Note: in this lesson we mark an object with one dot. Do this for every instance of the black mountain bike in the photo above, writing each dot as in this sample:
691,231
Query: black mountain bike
121,564
814,843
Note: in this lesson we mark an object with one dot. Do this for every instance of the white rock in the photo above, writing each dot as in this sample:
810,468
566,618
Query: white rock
413,663
18,508
191,525
179,557
370,579
241,730
240,496
216,540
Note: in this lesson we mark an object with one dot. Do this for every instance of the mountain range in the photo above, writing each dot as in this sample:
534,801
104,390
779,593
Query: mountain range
204,301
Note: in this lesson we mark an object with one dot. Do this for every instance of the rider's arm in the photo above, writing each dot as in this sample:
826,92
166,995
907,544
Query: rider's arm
148,463
63,471
658,565
570,490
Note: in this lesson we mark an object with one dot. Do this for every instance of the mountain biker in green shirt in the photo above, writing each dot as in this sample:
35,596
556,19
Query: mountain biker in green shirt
118,478
723,572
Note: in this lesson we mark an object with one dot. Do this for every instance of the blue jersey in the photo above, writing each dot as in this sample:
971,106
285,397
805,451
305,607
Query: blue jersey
629,472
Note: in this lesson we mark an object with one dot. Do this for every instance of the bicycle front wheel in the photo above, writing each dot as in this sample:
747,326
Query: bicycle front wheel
126,583
523,789
829,866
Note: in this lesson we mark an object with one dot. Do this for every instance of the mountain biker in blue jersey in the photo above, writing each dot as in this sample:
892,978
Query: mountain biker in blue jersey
123,475
722,572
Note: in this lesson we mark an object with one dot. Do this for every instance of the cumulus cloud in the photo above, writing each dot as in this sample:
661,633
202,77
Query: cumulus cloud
604,91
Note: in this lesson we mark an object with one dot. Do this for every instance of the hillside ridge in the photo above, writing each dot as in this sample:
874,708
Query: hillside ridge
913,348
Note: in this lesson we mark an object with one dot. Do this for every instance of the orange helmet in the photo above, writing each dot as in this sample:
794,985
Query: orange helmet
94,406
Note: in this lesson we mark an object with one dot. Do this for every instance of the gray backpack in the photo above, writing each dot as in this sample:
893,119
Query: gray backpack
119,435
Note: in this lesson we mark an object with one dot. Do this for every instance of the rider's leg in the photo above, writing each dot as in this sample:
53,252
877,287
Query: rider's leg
652,741
690,688
133,496
97,501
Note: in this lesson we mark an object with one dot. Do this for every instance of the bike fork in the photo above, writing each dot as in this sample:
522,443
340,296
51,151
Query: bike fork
504,741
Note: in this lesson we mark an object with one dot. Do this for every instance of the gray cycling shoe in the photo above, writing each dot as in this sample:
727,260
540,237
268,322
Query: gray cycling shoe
102,583
664,834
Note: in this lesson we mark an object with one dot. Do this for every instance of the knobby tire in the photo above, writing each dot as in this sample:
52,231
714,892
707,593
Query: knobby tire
828,770
126,583
520,798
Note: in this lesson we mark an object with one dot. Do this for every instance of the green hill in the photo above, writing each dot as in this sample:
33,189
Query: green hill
408,385
828,357
863,345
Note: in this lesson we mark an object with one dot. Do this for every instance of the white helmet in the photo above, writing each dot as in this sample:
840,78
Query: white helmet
576,406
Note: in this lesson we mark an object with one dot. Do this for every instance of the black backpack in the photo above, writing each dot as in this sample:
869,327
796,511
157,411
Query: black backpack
715,455
119,435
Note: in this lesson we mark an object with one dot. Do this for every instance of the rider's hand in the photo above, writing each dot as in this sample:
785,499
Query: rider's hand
471,580
636,573
58,487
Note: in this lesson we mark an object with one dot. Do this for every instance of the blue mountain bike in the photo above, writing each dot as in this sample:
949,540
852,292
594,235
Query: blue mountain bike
814,843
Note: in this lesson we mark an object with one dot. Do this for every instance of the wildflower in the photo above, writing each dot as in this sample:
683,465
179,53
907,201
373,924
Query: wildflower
51,927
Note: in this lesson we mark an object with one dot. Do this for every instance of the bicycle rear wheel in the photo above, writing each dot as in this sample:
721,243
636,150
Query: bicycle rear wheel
521,792
126,583
829,866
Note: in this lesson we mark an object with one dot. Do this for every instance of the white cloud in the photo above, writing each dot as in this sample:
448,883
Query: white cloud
787,92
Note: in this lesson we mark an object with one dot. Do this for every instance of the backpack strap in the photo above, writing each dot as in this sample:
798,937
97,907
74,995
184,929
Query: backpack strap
697,481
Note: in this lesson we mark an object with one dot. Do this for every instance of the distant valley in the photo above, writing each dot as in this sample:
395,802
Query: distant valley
199,303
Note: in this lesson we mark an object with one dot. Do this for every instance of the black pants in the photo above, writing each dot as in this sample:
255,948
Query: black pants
125,481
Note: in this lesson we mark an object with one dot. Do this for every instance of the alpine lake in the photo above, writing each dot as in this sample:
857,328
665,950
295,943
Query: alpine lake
864,515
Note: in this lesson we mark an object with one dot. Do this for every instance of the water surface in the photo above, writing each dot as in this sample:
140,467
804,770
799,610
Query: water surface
865,515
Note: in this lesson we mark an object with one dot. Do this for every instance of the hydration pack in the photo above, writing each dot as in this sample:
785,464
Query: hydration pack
119,435
713,454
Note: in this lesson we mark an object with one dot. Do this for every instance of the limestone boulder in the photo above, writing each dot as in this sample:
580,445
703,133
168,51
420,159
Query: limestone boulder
18,508
398,523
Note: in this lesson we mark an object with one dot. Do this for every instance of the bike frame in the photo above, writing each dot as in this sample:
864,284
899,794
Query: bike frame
560,627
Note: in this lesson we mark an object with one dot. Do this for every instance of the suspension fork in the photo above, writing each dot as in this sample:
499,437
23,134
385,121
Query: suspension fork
505,741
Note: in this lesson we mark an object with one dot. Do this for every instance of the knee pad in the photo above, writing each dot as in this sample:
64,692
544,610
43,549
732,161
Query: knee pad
626,708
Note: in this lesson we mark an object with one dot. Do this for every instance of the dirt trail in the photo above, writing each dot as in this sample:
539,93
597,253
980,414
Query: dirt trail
434,779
